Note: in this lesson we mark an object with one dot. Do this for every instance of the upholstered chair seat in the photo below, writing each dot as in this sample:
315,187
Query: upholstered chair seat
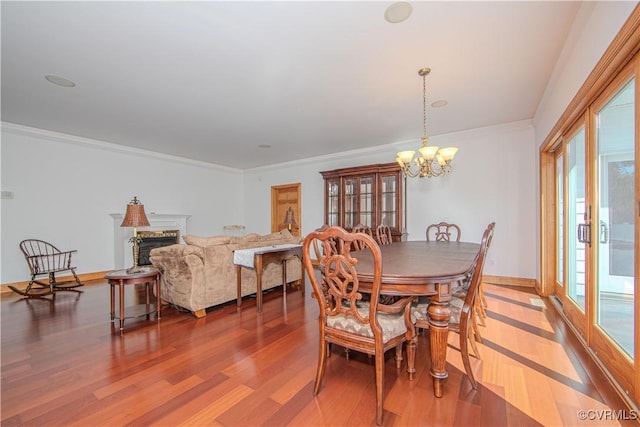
419,311
392,325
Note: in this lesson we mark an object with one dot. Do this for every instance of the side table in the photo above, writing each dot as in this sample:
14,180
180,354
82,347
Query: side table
258,258
121,278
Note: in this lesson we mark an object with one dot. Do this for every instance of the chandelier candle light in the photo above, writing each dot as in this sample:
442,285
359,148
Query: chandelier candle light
432,161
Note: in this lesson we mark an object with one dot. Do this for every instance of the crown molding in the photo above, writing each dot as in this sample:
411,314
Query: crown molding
391,148
102,145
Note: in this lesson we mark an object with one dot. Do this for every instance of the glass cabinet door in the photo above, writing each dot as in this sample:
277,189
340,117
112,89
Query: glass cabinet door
333,202
389,201
366,201
350,203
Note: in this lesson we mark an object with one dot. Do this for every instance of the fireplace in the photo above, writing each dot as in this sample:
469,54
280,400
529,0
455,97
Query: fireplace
158,222
148,240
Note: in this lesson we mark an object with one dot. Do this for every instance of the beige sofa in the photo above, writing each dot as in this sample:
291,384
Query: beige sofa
201,273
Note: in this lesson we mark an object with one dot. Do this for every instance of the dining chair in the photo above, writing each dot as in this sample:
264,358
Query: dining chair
345,320
482,302
447,232
443,232
383,235
462,309
361,228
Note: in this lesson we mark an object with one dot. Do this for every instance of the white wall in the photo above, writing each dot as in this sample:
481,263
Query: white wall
593,30
65,188
493,180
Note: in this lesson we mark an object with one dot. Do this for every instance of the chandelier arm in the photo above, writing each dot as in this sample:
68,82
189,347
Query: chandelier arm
408,172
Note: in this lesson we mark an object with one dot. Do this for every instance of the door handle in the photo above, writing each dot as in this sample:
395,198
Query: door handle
584,233
604,232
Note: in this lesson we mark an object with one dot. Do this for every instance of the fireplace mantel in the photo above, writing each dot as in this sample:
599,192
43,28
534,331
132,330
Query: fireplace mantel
123,256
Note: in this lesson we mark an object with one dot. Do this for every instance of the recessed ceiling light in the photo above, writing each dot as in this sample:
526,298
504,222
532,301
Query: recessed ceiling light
265,146
440,103
60,81
398,12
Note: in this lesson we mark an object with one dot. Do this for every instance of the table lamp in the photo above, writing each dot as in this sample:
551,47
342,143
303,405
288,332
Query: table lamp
135,217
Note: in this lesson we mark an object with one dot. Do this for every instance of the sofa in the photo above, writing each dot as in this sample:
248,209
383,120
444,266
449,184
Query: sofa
200,273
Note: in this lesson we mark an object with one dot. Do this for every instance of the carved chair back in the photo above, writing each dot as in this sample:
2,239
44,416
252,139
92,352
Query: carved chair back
360,228
443,232
383,235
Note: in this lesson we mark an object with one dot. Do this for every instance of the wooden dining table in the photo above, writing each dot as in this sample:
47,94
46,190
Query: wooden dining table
424,268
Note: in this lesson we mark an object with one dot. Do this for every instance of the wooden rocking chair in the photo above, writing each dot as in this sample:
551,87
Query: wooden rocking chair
45,259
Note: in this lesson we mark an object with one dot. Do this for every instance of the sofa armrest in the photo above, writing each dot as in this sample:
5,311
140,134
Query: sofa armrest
182,274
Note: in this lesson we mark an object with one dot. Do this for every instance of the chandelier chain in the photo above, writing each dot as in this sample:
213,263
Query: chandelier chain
424,104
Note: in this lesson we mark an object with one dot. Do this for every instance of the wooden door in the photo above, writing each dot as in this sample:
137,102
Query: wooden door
283,198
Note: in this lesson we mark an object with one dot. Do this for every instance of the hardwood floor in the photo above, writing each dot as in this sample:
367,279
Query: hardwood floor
63,363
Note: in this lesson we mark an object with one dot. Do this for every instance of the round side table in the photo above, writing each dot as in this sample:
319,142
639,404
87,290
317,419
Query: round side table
121,278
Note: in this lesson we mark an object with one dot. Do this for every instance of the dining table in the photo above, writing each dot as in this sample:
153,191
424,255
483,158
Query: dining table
422,268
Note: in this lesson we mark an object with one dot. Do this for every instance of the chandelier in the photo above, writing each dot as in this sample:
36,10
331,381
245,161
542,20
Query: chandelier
432,161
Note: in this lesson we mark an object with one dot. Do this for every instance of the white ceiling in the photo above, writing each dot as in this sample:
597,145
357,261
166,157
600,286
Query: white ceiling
212,81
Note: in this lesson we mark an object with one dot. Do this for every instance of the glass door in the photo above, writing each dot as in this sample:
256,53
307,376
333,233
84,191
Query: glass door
590,220
559,223
578,228
615,160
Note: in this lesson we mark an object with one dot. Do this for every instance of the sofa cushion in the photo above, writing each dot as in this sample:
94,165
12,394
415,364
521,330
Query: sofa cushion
247,238
203,242
286,234
270,237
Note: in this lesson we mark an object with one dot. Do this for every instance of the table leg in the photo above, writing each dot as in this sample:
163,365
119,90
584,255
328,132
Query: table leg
147,293
439,314
121,284
284,277
239,283
112,292
302,276
258,264
158,301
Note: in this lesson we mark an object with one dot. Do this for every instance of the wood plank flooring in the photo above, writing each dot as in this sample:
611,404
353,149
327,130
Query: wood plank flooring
64,364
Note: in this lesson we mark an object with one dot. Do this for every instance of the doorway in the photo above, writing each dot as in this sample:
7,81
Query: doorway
286,208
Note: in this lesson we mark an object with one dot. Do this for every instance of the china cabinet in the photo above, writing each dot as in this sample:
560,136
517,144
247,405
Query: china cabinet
369,195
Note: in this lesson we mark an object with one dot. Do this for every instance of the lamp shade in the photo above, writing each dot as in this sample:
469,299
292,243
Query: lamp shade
135,216
406,156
